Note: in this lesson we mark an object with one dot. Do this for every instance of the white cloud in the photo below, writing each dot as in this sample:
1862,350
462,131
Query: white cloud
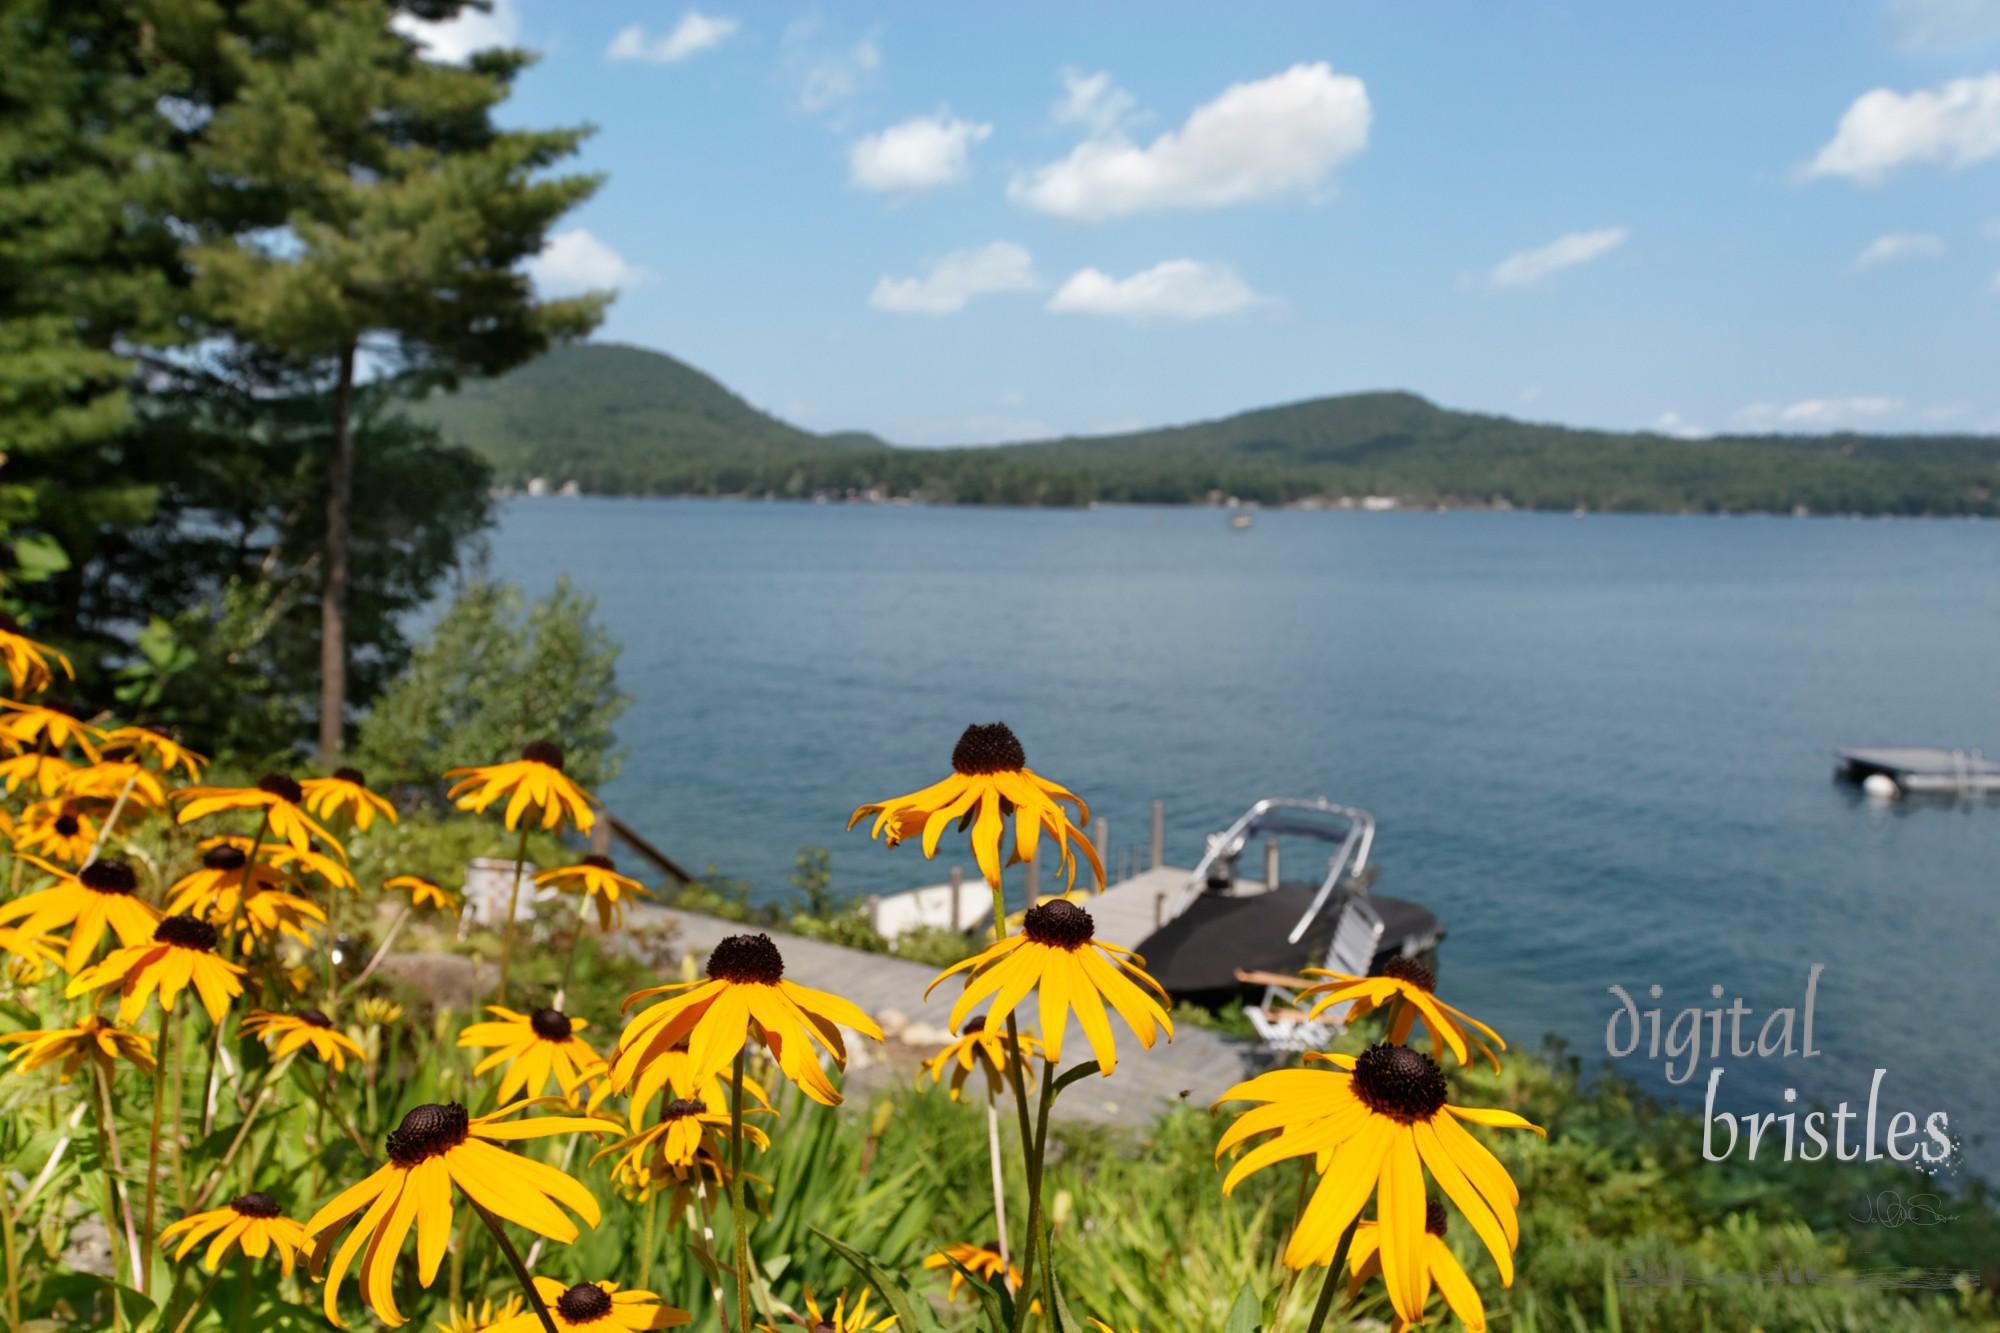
1899,245
1817,413
921,153
828,80
1672,423
955,279
1940,25
576,261
695,32
1094,102
1531,266
1180,290
1277,136
1955,125
473,30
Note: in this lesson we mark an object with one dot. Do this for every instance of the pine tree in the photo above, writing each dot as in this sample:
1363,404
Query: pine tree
364,214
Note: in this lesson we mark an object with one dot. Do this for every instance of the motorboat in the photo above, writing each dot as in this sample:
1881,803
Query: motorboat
1224,926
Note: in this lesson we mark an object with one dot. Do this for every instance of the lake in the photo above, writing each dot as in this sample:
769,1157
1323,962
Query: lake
1598,747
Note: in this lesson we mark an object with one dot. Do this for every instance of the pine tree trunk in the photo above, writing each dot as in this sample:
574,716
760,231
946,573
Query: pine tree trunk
333,597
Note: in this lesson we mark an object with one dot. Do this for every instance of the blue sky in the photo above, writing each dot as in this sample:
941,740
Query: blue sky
949,224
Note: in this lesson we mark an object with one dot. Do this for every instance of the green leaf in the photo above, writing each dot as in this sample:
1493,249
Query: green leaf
38,557
911,1314
1070,1076
1246,1315
999,1306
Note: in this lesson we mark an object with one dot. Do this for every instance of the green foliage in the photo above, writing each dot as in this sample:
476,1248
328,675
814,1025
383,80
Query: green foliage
619,420
496,674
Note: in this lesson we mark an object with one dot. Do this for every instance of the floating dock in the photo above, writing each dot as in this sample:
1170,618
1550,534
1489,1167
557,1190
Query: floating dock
1920,768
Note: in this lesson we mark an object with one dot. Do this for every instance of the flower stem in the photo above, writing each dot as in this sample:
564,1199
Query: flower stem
513,1257
381,952
999,1182
740,1215
143,1282
507,928
1334,1280
200,1296
1037,1243
13,1261
107,1129
104,829
646,1250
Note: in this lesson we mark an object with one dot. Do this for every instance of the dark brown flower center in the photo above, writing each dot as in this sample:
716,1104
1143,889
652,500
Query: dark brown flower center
186,931
584,1302
1411,971
550,1024
316,1017
601,863
991,748
427,1131
285,788
1398,1082
225,857
1061,923
824,1327
66,826
255,1204
108,876
747,958
353,775
9,624
543,752
680,1108
1434,1217
976,1023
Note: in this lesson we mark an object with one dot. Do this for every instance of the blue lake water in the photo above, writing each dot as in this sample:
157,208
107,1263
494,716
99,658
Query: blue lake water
1599,748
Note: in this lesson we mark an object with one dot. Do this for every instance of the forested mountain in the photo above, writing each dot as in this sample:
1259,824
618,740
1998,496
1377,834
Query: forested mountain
622,420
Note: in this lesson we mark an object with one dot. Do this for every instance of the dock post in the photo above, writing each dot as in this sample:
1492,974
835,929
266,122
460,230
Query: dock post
1270,863
600,838
956,876
1033,878
1100,838
1159,847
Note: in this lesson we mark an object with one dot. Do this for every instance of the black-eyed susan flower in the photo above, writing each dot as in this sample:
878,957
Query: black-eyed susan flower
673,1071
990,780
1435,1264
60,829
346,792
378,1011
93,1038
49,725
594,1307
596,877
224,868
983,1047
686,1128
103,895
304,861
982,1261
38,771
30,665
181,954
1374,1122
436,1147
1057,955
538,1050
253,1223
112,779
536,785
29,956
1415,986
745,995
277,796
157,745
285,1033
845,1317
424,892
480,1316
217,893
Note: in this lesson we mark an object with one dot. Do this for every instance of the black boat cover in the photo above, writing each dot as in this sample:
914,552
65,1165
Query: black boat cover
1196,955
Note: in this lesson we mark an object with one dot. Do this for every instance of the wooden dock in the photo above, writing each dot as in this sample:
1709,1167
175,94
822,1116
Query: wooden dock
1917,768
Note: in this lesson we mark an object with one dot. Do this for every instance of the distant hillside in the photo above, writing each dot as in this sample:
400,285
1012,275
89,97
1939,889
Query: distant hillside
622,420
